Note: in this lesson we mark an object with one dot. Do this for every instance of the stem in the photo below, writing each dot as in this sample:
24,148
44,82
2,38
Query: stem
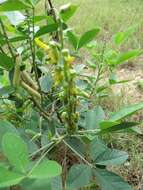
52,12
61,34
7,40
100,66
81,157
2,51
40,149
96,80
32,47
43,156
43,112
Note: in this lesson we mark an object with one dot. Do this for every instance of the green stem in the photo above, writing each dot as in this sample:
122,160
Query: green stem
32,47
7,40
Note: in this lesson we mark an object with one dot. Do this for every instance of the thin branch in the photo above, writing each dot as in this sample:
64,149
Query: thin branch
2,50
100,66
32,47
44,155
80,156
7,40
53,13
43,112
52,9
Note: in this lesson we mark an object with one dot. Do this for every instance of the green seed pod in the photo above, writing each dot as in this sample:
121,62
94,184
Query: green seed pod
64,116
31,91
28,80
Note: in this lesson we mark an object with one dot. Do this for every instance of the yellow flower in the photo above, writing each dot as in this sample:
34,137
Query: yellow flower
41,44
70,59
52,52
58,77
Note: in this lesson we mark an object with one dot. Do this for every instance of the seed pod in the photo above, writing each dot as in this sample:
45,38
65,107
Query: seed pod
29,80
31,91
82,93
64,116
16,76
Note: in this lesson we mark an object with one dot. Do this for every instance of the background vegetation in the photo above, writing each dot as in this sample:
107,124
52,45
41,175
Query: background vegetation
64,109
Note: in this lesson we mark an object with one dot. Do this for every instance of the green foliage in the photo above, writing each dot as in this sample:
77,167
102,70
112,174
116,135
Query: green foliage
46,83
46,169
16,151
67,11
94,117
54,110
111,157
12,5
122,37
79,176
8,178
46,29
6,61
87,37
108,180
126,111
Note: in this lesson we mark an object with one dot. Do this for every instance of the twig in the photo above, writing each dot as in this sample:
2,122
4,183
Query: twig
43,156
2,50
81,157
100,66
44,113
7,40
32,47
52,12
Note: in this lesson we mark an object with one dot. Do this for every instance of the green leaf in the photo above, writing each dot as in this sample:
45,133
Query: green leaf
112,126
79,176
6,90
38,184
111,57
8,178
6,62
46,169
126,111
33,2
121,37
42,184
110,181
12,5
121,58
107,124
16,151
14,39
6,126
56,183
47,29
94,117
39,18
67,11
87,37
76,145
111,157
97,147
72,39
46,83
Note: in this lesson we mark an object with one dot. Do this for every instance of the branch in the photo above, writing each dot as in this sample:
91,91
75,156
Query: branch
52,12
7,40
32,47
